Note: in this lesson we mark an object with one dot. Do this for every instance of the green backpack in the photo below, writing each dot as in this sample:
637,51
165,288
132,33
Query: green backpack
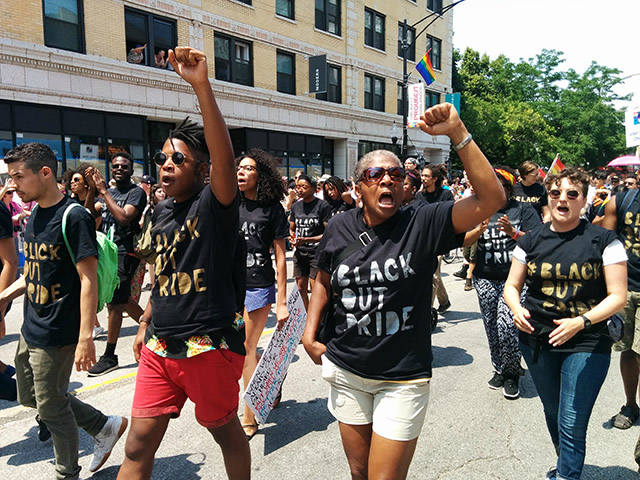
108,279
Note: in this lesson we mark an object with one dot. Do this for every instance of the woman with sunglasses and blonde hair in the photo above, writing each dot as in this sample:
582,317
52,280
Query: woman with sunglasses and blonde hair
576,274
372,262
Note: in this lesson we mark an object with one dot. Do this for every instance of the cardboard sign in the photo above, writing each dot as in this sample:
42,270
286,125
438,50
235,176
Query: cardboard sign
276,358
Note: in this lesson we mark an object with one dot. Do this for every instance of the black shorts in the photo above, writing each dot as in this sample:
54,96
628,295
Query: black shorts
304,264
127,266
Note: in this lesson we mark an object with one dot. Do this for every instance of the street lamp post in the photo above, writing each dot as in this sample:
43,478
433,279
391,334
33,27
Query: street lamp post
405,76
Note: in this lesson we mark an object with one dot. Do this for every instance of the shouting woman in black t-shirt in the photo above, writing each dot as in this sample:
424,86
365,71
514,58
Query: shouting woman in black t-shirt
372,266
576,274
264,224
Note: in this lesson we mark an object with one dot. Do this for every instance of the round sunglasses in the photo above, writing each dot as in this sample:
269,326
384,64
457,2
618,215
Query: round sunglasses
160,157
571,194
376,174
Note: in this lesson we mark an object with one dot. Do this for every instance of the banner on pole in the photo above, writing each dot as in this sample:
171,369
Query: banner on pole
272,368
632,126
415,96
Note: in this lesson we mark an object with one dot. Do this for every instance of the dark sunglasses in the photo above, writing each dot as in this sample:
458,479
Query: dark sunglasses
160,157
120,166
376,174
571,194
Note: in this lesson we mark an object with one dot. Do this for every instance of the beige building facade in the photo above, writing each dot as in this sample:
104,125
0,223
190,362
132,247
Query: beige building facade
89,77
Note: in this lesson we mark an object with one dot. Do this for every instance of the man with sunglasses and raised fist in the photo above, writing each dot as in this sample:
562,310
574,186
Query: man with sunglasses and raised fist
190,343
121,209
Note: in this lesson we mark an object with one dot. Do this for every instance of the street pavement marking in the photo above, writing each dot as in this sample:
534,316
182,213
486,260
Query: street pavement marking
9,412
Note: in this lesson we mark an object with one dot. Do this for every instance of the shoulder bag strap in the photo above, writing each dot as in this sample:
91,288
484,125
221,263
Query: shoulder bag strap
64,228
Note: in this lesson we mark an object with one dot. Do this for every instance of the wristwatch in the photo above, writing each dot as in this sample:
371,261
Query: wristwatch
587,322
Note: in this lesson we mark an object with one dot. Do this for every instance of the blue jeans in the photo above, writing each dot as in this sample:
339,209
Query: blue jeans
568,385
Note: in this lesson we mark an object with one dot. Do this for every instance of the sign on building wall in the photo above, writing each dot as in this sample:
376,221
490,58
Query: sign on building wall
415,98
318,74
632,126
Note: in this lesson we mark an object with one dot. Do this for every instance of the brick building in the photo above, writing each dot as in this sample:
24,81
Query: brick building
70,76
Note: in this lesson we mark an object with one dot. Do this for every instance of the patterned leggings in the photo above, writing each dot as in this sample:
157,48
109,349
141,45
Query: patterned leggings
499,326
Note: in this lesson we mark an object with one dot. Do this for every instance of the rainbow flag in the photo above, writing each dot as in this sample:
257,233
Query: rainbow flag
541,173
425,69
556,166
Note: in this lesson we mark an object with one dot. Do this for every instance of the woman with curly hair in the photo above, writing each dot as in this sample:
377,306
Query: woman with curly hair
264,224
337,195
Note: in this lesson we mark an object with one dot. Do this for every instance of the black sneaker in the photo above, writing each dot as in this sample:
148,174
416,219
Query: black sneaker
43,432
551,474
496,382
104,365
444,307
510,389
462,273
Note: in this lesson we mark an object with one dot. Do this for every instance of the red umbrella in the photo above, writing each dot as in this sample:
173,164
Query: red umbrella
624,161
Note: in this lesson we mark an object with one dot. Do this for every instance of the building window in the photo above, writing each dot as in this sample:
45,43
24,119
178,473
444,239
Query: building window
400,103
434,5
284,8
149,38
373,29
374,93
234,60
431,99
334,85
286,67
435,44
63,24
411,42
248,2
328,16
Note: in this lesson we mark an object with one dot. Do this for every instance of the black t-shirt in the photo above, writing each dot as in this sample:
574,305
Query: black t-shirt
309,218
535,195
194,292
438,195
628,229
565,279
339,206
123,234
382,325
52,299
495,247
261,225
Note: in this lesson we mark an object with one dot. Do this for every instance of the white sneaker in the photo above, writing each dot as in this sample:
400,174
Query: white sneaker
106,439
97,331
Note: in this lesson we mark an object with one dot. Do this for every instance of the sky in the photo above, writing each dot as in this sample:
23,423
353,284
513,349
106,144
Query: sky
585,30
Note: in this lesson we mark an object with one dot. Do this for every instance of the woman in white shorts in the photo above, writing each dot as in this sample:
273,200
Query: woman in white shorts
372,263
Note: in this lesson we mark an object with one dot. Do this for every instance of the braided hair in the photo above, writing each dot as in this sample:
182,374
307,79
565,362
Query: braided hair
192,134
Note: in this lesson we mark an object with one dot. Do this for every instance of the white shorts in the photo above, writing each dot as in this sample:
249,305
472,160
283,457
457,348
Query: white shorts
396,409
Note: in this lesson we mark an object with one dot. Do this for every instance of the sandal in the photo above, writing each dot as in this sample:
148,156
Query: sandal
252,430
278,398
626,417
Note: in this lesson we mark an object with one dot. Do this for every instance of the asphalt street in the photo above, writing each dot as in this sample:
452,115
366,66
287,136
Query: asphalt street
471,432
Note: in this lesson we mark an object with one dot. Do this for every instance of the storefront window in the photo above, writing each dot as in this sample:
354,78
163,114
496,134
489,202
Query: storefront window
85,150
54,141
6,143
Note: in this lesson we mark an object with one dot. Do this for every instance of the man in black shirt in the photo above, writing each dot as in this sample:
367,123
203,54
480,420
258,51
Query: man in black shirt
122,209
434,192
59,311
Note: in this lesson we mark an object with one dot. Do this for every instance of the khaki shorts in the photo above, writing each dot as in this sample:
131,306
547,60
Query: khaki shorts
631,316
396,409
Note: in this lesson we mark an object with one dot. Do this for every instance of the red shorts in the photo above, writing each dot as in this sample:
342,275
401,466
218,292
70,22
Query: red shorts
209,380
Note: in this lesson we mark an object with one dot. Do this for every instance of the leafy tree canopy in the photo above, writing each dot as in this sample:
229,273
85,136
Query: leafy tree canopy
533,109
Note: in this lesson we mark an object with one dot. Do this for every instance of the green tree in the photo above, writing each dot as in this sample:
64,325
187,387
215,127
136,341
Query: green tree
533,109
